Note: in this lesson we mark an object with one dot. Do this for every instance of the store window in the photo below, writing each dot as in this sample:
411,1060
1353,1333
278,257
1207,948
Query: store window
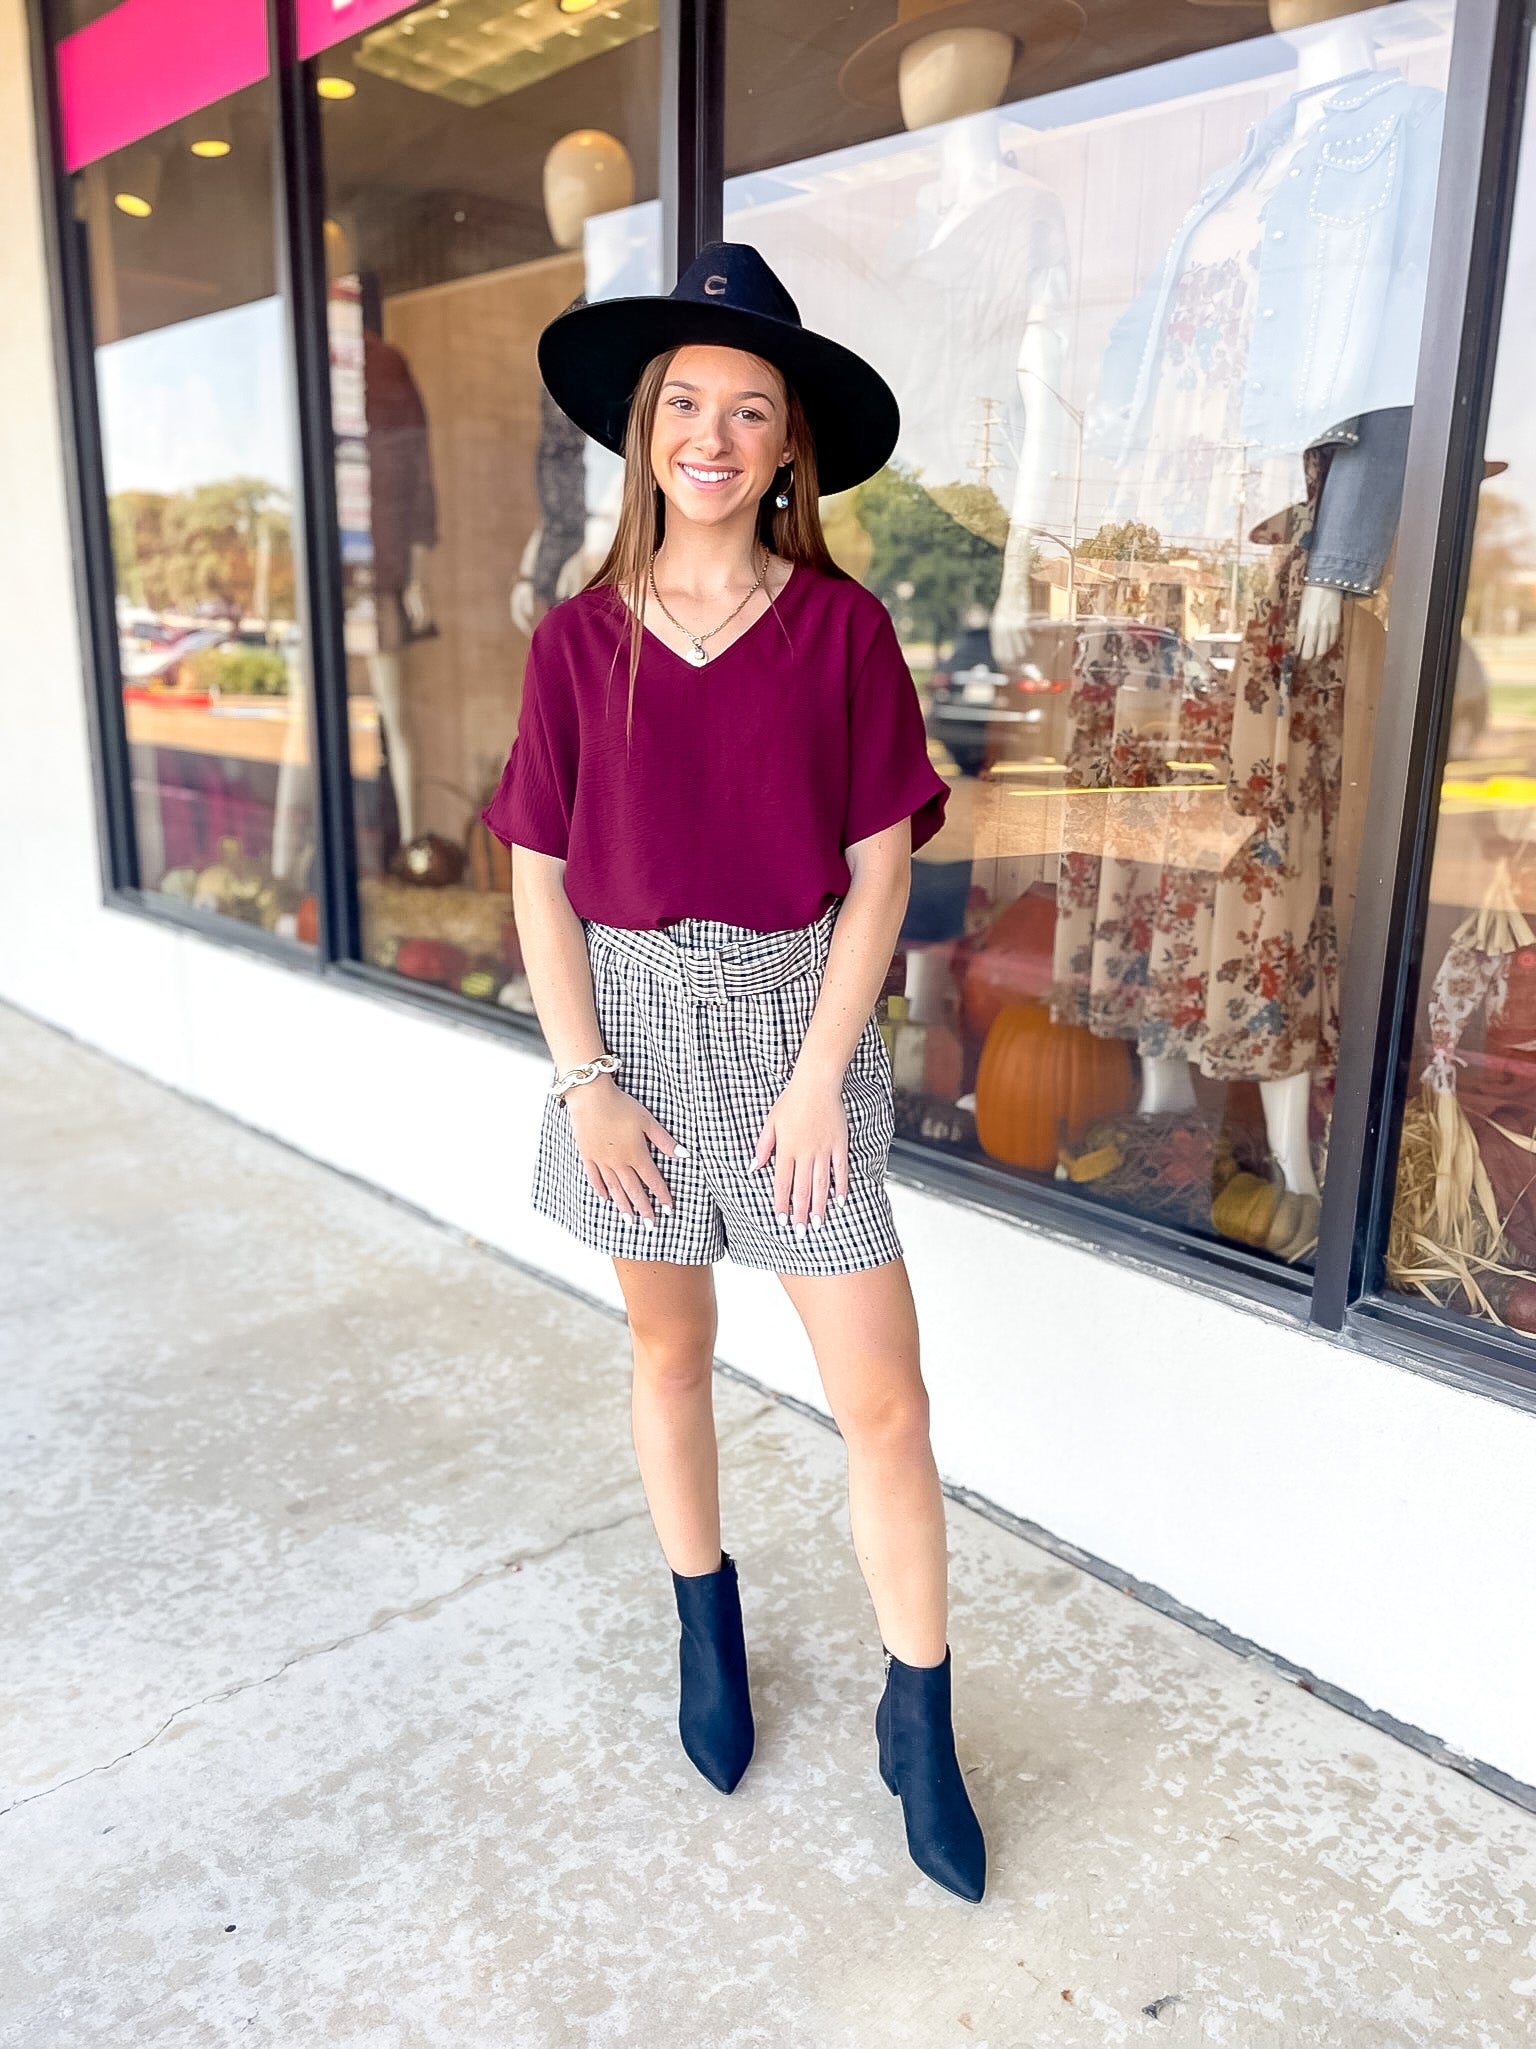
484,168
1463,1230
1149,290
167,136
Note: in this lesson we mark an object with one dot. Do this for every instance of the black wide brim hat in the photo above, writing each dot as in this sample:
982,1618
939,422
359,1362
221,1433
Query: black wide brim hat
592,358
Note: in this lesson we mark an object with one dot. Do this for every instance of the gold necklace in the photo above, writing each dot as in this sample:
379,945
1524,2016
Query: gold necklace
697,653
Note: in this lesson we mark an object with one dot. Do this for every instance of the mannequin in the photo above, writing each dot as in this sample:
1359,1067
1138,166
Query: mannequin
1319,60
944,79
1347,48
964,264
950,80
586,172
386,506
1354,482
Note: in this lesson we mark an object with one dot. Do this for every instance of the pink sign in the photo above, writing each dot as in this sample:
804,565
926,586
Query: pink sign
148,63
324,22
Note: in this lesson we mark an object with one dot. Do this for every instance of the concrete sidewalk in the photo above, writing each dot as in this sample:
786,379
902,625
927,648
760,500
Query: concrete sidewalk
337,1690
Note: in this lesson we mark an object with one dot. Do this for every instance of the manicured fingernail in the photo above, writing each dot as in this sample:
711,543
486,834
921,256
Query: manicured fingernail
648,1223
782,1221
667,1208
817,1222
840,1201
680,1152
799,1230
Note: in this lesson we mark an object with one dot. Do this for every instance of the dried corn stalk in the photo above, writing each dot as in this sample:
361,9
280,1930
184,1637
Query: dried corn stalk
1446,1229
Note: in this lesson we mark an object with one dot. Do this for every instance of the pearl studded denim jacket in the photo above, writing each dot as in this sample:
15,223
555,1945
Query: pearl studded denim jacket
1340,289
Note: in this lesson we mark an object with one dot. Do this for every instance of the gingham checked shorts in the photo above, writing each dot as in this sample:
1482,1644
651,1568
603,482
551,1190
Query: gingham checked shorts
707,1019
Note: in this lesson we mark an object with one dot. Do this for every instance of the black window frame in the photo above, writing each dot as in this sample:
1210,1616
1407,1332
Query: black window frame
1343,1299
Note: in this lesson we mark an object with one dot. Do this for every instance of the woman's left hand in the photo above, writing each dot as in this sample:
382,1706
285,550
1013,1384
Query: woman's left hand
805,1134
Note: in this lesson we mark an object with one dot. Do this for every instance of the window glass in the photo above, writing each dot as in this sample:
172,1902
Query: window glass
1464,1224
1154,333
484,168
169,148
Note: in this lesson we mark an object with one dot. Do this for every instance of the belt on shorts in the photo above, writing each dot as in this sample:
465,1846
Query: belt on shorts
712,963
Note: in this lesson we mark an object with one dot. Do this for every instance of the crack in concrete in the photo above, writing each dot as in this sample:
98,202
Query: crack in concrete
413,1611
481,1576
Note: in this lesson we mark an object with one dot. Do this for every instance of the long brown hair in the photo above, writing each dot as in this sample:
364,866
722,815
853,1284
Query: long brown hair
794,533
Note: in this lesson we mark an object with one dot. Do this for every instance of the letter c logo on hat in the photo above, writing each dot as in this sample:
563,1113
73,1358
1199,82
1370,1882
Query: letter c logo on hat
715,285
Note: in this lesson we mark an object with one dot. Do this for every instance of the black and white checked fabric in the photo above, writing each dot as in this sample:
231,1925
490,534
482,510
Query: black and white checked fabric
707,1019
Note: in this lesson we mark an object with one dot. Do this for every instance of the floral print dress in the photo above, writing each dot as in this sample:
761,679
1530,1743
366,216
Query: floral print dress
1194,478
1228,962
1197,936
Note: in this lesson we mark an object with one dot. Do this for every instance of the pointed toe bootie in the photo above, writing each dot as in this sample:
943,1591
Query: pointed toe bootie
917,1760
714,1715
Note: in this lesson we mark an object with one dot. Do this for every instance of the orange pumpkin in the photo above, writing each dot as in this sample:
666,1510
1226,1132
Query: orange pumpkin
1040,1082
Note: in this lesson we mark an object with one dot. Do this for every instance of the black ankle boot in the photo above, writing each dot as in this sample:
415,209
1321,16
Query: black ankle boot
714,1715
917,1760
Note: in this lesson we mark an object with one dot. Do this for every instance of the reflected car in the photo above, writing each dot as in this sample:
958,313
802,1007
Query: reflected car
963,699
986,716
1219,649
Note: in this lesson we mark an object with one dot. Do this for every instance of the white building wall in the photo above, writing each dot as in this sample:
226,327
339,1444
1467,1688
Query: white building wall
1374,1525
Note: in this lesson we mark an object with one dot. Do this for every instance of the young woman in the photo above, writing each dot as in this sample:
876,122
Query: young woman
718,779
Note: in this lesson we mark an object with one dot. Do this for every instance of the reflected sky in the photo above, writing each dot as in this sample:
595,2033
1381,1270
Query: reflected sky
197,402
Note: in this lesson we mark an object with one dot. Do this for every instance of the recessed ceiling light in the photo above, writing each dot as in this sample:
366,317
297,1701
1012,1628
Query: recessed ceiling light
474,51
335,88
210,146
130,203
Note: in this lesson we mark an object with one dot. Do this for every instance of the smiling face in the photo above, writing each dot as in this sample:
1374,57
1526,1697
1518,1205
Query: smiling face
720,433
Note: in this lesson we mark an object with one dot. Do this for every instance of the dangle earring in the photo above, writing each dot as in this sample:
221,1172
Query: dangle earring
781,500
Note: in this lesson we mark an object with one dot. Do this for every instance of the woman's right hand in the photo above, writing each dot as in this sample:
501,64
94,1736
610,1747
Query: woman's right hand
614,1135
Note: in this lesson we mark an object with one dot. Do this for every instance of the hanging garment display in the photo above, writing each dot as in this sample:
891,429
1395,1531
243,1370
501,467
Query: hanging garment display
403,503
560,479
1138,699
1233,967
1341,272
941,297
1190,472
1243,966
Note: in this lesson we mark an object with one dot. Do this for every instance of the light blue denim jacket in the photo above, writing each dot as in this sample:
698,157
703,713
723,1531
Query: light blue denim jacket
1341,274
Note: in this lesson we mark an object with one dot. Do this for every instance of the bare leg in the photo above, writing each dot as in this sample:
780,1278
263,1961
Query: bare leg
672,1331
863,1329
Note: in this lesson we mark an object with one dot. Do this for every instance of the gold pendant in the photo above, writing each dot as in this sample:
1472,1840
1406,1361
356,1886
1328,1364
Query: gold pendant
697,656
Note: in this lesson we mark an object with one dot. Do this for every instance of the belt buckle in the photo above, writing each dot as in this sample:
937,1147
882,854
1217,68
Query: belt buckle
704,973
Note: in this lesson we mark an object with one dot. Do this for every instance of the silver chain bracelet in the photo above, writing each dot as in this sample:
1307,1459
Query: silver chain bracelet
588,1070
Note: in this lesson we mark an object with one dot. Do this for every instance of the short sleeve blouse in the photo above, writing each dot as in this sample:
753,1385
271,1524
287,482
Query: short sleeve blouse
744,782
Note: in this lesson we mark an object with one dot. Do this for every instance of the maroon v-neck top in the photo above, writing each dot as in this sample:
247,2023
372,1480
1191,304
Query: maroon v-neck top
746,779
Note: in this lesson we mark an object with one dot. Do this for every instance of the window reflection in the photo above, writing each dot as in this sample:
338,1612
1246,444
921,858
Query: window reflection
468,200
1464,1225
198,454
1154,337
